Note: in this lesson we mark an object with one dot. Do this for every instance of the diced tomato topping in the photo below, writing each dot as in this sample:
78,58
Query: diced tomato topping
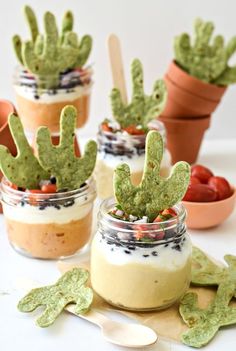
12,185
169,211
105,127
133,130
49,188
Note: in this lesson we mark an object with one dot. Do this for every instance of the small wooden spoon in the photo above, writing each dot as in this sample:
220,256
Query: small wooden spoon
122,334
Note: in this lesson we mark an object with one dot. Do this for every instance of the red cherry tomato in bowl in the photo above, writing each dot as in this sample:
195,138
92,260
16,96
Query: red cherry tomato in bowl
202,173
200,193
221,186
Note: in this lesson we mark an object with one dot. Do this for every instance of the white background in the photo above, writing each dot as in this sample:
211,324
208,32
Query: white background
146,29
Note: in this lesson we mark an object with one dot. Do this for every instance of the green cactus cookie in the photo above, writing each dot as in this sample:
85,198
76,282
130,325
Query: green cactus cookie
23,170
154,193
70,171
204,323
205,59
70,288
143,108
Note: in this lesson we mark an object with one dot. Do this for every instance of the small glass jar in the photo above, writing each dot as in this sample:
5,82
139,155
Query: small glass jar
48,226
136,274
42,106
116,148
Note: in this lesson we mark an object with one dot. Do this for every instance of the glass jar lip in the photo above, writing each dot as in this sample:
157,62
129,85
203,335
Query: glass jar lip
38,197
110,203
21,72
155,124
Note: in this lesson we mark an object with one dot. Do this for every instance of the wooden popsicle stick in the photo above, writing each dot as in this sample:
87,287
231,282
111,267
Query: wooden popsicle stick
117,68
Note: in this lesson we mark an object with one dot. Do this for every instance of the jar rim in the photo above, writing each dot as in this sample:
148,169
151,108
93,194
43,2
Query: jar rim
38,197
172,222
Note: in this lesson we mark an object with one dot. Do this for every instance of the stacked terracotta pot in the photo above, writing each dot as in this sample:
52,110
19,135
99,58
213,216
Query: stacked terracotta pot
6,108
188,112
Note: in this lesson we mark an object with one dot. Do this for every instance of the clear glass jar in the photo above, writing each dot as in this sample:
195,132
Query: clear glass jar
116,148
48,226
140,275
42,107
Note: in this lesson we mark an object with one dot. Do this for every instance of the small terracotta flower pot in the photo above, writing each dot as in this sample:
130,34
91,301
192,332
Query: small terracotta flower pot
184,137
6,107
189,96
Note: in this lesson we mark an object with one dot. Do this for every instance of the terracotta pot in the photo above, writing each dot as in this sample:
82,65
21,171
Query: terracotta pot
184,137
55,141
6,107
189,96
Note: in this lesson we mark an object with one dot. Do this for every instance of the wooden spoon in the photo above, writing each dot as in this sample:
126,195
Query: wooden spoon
122,334
117,68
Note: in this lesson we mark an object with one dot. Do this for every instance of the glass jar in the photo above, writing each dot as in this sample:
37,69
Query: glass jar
42,107
116,148
48,226
137,274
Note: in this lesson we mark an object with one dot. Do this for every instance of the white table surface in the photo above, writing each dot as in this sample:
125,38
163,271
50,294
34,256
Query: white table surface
18,331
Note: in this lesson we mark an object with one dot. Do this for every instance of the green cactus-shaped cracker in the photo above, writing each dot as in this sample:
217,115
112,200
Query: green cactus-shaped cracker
206,60
154,193
33,27
143,108
50,54
70,171
70,288
204,323
53,59
206,272
23,170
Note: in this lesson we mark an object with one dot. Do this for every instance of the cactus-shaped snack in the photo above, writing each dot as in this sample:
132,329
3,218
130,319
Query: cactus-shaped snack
53,59
70,171
204,323
70,288
23,170
205,59
52,53
154,193
142,108
33,27
206,272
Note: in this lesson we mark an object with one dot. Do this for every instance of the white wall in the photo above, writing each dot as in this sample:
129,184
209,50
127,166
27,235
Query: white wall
146,29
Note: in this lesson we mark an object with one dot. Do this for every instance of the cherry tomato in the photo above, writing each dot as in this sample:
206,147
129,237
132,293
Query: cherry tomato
133,130
200,193
194,180
34,191
49,188
202,173
221,186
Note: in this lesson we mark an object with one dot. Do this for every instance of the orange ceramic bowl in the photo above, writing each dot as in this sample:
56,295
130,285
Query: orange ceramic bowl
202,215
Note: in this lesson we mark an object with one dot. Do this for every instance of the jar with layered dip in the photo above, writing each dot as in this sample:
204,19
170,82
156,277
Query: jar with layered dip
117,145
47,224
53,72
136,265
48,198
40,106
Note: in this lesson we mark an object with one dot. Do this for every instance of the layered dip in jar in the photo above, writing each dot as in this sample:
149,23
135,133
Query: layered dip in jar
48,200
52,72
123,138
141,253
